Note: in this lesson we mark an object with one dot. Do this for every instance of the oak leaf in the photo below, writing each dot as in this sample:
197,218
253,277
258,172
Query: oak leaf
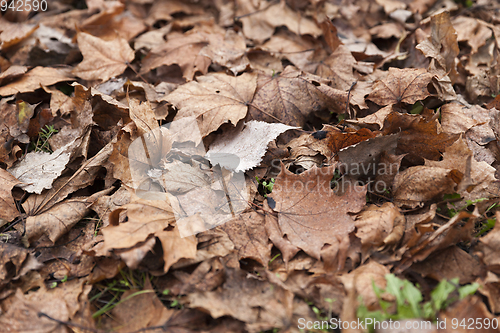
407,85
102,59
311,215
214,100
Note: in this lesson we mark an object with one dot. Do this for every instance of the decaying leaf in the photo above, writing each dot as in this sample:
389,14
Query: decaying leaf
292,96
311,216
401,86
214,100
102,59
35,78
8,210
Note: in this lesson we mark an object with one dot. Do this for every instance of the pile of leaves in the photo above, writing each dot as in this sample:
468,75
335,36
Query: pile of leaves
248,166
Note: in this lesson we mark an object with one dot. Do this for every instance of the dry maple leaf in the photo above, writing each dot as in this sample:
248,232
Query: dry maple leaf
290,97
182,50
8,210
214,100
102,59
418,137
35,78
442,45
406,85
310,215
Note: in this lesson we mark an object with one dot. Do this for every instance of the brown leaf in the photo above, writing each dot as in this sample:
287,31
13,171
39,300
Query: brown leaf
420,183
14,33
310,215
261,305
182,50
8,210
450,263
442,45
264,18
406,85
362,280
291,97
489,248
375,224
102,59
467,310
249,236
484,184
35,78
59,219
418,138
60,303
214,100
139,311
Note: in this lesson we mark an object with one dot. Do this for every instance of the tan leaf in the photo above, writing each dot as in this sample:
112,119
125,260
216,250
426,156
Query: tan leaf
310,215
59,219
176,247
35,78
249,236
102,59
420,138
442,45
14,33
145,218
260,25
180,49
8,210
290,97
140,311
421,183
375,224
467,310
214,100
450,263
482,175
143,116
406,85
261,305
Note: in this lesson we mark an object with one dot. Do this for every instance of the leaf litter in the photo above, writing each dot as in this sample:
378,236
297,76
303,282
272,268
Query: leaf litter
235,166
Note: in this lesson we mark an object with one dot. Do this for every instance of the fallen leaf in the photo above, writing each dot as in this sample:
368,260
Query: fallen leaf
264,18
182,50
14,33
60,218
292,96
261,305
488,249
140,309
243,145
38,170
305,204
375,224
102,59
35,78
450,263
214,100
482,175
442,45
468,310
406,85
422,183
8,209
418,137
249,236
